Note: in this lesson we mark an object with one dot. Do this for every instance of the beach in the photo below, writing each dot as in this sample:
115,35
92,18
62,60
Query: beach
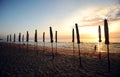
18,61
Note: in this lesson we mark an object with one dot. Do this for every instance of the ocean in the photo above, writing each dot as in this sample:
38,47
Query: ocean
114,47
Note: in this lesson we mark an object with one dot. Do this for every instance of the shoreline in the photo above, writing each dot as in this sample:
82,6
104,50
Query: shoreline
17,61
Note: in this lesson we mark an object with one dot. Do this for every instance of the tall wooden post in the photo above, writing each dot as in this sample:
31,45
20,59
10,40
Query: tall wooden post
99,33
106,30
78,42
51,37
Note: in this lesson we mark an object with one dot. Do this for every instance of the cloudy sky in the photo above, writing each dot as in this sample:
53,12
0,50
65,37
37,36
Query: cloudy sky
27,15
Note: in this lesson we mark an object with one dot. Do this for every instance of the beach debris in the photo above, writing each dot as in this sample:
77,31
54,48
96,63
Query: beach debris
56,40
51,38
78,42
99,49
106,30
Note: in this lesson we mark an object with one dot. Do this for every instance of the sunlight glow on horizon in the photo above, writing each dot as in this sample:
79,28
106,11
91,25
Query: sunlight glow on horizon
88,16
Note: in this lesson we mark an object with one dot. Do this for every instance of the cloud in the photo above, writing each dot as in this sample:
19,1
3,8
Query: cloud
95,16
114,14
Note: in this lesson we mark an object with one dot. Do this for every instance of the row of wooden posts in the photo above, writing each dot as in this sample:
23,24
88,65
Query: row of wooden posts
106,33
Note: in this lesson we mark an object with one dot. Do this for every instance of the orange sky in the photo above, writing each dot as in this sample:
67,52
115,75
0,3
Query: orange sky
61,15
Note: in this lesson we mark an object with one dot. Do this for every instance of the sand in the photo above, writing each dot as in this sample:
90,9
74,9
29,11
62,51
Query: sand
18,61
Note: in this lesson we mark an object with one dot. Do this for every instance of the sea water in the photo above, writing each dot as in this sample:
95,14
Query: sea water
114,47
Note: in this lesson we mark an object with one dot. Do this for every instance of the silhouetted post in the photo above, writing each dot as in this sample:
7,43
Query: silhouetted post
27,39
78,42
23,39
73,41
44,40
106,30
10,38
51,37
99,33
35,40
19,39
7,38
56,40
14,38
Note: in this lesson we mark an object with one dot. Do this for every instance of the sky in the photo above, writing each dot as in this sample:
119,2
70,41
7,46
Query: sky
27,15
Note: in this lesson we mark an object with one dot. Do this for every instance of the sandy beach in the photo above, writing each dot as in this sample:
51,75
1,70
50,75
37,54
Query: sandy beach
18,61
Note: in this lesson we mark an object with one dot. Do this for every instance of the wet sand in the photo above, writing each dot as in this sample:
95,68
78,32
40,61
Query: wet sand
18,61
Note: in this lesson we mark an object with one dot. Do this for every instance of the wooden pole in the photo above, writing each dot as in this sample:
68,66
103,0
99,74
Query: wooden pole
107,41
108,58
27,39
78,42
51,37
7,38
19,38
10,41
44,41
99,33
79,54
14,37
73,41
52,50
23,39
56,40
36,47
35,40
100,50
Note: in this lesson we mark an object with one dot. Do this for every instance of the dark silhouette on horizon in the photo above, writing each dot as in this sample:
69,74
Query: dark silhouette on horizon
51,38
14,38
56,40
10,38
7,38
73,35
78,42
106,30
51,35
35,39
44,41
27,39
19,37
99,34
